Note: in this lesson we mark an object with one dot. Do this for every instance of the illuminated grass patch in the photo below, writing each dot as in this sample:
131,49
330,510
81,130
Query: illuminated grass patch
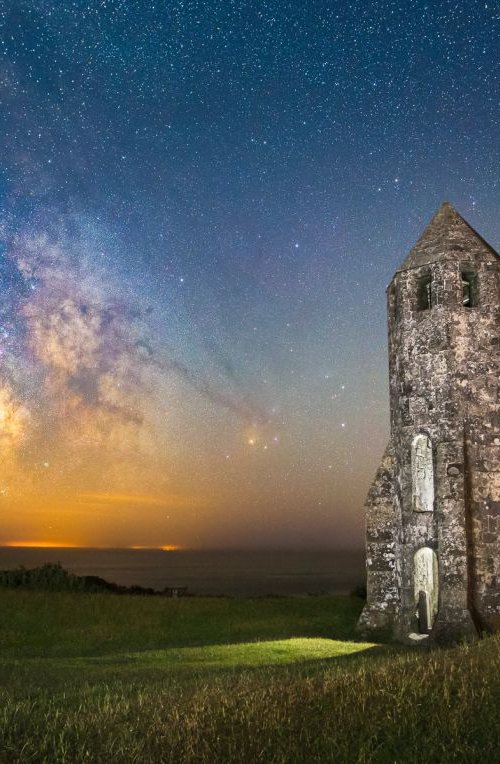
240,655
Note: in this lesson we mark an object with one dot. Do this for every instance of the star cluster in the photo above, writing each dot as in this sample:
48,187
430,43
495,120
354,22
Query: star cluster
201,206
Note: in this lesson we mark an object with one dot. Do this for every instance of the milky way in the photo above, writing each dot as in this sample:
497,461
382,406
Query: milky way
201,205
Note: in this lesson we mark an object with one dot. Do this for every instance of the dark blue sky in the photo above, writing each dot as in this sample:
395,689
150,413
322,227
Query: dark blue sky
225,188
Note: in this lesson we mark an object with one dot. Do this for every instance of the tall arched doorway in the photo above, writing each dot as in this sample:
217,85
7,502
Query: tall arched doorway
425,584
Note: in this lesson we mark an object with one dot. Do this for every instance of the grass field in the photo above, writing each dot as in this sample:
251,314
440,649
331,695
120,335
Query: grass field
103,678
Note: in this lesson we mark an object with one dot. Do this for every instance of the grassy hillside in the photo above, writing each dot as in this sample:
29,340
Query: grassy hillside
121,679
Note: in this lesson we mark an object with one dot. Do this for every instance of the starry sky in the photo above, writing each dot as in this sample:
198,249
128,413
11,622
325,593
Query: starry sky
201,205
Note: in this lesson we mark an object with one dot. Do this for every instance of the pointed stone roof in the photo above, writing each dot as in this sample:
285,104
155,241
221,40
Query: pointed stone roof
448,237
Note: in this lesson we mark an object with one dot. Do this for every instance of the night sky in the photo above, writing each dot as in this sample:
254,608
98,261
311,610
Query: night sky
201,206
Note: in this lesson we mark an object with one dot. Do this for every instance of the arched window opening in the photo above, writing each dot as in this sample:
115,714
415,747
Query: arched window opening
469,291
424,292
422,473
426,588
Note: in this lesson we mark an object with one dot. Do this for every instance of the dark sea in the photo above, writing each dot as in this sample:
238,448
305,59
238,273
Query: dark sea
217,572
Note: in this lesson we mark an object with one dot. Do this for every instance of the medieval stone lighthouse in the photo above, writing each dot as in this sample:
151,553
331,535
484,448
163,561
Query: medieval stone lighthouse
433,510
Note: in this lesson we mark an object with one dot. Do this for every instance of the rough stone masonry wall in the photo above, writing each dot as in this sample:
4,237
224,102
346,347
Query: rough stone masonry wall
444,381
383,523
424,400
476,340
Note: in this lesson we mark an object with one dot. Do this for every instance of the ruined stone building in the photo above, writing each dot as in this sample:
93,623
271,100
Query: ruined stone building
433,510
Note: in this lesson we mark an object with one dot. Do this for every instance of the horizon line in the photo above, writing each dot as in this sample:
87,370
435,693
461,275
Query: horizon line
175,548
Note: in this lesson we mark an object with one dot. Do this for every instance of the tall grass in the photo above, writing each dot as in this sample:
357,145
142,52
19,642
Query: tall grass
429,706
393,705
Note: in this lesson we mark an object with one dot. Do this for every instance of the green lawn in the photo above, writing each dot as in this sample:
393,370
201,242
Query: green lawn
103,678
62,624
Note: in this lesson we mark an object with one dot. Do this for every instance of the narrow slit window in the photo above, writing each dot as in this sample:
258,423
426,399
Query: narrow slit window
424,292
469,294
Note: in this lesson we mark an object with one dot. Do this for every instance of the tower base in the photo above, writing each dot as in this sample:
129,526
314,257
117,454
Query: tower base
453,625
450,627
375,623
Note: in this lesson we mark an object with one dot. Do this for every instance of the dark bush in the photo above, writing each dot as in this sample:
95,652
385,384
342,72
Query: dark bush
53,577
48,577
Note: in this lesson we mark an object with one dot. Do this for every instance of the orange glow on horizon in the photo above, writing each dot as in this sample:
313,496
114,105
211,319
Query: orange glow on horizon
95,520
164,548
69,545
42,544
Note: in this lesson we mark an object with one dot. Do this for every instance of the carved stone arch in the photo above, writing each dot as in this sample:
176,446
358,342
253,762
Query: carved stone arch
422,474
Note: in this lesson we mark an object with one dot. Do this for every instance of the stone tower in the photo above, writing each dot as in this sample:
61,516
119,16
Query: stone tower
433,510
